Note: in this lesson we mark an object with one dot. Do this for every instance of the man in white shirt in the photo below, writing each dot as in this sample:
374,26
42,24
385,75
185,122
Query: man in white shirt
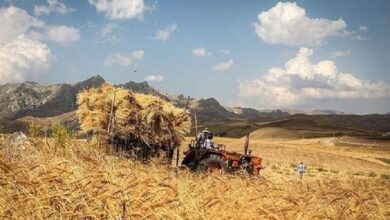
207,143
301,169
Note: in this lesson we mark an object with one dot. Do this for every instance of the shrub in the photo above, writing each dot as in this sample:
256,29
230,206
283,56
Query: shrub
34,130
322,170
359,173
62,136
334,171
385,176
372,174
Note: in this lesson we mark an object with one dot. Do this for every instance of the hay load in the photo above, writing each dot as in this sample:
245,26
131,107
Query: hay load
119,114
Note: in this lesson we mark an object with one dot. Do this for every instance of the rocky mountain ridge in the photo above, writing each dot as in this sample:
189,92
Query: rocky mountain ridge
19,100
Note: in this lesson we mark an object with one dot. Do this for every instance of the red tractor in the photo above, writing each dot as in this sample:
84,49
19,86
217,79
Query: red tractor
217,159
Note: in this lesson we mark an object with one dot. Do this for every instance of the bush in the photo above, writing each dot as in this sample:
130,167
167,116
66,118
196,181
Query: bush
62,136
372,174
321,170
334,171
385,176
34,130
359,173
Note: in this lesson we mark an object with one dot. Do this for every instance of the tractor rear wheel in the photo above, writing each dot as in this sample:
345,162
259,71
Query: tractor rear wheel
212,164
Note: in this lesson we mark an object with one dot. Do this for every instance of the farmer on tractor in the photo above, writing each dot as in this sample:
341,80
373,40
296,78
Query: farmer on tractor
204,138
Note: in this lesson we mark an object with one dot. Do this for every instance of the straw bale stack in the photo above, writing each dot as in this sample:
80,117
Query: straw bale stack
112,111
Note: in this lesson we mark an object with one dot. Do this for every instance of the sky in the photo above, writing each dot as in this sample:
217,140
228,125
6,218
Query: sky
261,54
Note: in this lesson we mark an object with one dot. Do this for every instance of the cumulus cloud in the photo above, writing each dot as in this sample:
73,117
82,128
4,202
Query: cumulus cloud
124,59
154,78
165,34
23,55
224,51
341,53
16,21
119,9
23,59
287,23
363,28
223,66
108,29
53,6
301,80
62,34
358,38
201,52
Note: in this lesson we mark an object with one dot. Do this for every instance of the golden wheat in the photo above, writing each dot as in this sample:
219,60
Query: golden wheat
86,183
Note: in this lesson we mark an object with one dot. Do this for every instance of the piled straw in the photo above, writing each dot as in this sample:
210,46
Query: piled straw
112,111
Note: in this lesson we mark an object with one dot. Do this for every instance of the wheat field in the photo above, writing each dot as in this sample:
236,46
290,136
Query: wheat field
85,182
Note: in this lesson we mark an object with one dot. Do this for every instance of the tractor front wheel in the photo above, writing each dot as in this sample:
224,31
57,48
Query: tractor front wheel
212,164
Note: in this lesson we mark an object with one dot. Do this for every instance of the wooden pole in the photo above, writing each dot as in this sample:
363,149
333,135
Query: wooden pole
196,128
177,156
111,114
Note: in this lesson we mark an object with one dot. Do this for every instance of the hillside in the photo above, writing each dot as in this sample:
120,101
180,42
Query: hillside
42,101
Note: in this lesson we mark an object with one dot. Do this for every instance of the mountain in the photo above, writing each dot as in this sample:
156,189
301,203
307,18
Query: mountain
257,116
42,100
142,87
22,102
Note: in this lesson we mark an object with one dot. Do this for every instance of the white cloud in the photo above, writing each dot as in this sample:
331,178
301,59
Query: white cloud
300,80
358,38
165,34
121,9
224,51
23,55
52,6
287,23
154,78
201,52
341,53
62,34
15,21
108,29
363,28
223,66
107,33
23,59
138,54
124,59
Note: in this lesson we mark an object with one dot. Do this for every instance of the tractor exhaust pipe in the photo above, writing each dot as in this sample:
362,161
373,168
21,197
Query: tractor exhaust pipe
246,144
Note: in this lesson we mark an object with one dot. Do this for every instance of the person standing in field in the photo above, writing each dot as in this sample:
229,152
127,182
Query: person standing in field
301,169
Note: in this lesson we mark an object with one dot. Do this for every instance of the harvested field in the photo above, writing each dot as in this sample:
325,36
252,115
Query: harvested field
82,182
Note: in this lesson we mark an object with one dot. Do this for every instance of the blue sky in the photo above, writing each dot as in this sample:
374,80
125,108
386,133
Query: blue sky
303,55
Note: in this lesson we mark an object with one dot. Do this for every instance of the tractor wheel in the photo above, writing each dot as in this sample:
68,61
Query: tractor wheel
212,164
